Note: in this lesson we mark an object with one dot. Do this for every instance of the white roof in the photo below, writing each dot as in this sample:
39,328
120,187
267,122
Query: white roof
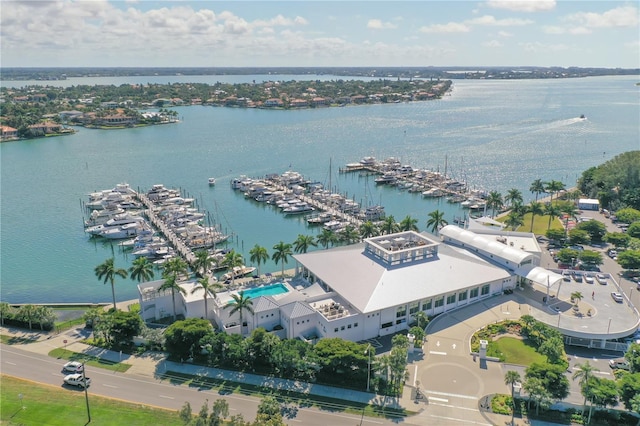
264,303
496,248
539,275
588,201
297,310
368,286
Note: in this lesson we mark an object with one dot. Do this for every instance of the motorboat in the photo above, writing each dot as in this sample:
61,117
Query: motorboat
125,231
319,219
212,181
386,179
582,117
115,222
99,217
298,208
238,272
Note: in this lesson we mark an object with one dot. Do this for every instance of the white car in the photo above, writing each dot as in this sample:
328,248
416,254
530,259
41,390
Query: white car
602,279
617,297
77,379
619,363
73,367
588,279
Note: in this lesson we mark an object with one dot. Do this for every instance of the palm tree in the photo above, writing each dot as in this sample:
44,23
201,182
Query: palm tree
175,266
389,226
553,188
576,297
436,221
258,255
281,253
514,220
537,187
303,242
108,271
552,211
510,379
570,211
409,224
513,196
368,229
350,234
240,303
421,318
233,259
326,237
203,283
202,263
584,373
141,270
536,209
170,283
494,202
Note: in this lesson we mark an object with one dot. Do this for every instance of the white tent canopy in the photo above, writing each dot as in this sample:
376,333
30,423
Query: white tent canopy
539,275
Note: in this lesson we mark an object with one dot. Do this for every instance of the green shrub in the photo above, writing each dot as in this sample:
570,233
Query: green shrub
501,404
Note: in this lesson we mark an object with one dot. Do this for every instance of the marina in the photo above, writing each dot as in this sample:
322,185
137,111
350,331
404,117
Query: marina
492,140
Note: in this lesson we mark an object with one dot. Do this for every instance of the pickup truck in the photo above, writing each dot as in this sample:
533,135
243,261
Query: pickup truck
77,380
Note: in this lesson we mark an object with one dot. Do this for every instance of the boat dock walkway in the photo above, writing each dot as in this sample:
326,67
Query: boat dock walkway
177,243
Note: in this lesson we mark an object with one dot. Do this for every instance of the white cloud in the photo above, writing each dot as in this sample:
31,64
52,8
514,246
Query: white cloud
505,34
538,47
492,21
377,24
492,43
625,16
451,27
523,5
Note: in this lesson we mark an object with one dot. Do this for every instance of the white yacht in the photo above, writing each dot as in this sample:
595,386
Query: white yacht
125,231
238,272
212,181
115,222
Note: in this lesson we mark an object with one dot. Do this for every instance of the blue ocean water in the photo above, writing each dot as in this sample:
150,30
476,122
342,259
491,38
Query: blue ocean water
496,135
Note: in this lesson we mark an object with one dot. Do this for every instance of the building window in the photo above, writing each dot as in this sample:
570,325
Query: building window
335,330
426,305
451,299
414,307
355,325
349,326
462,296
401,320
473,293
439,302
387,325
342,328
485,290
401,311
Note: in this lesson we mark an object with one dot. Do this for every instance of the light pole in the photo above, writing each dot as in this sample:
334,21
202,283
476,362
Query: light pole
368,352
86,393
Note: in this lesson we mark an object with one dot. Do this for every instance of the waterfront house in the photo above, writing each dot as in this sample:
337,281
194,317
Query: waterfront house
44,128
8,133
273,103
298,103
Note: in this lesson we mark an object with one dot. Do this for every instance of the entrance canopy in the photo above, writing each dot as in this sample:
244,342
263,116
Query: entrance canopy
539,275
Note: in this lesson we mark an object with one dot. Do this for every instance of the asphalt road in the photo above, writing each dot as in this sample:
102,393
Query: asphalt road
148,391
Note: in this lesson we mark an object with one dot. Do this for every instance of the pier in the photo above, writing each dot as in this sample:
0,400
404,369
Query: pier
168,233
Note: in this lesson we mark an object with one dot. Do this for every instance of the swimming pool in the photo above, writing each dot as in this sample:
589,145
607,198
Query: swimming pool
269,290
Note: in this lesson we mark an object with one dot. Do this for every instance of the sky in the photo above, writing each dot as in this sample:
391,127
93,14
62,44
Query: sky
140,33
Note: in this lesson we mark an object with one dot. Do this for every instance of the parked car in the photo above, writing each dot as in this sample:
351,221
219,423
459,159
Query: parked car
73,367
617,297
77,379
577,276
588,279
619,363
602,279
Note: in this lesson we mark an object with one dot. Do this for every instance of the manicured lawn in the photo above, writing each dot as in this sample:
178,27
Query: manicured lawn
93,361
518,352
540,224
52,406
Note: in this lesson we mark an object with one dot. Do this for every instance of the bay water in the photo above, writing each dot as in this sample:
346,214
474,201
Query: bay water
495,135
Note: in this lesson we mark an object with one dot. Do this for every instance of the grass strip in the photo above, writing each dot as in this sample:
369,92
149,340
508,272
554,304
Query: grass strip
46,405
303,400
90,360
15,340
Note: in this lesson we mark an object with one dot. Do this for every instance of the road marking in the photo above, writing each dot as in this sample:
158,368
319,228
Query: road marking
109,386
167,397
438,343
604,373
437,353
453,346
433,398
415,374
452,406
460,420
455,395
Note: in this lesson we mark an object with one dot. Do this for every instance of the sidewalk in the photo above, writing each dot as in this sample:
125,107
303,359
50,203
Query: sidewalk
152,364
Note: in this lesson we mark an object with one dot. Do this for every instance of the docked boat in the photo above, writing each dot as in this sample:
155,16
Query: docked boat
115,222
386,179
125,231
319,219
212,181
298,208
238,272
